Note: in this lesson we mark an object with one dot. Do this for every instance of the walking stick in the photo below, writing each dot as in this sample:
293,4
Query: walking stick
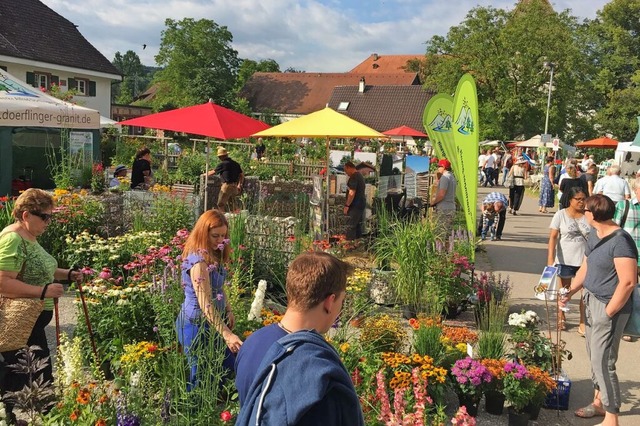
86,318
56,312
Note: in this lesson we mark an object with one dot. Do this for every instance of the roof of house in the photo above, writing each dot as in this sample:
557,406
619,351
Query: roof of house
31,30
384,64
304,93
383,107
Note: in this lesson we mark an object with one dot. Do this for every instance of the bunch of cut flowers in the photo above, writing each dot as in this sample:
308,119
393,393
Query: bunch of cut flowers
519,387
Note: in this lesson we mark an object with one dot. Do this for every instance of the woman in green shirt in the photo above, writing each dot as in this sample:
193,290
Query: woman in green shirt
25,269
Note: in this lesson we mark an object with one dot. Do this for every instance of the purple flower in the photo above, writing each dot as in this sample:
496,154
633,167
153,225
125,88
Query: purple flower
155,329
221,246
219,296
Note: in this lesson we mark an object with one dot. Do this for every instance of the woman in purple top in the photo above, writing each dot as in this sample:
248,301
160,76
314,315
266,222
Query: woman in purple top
206,316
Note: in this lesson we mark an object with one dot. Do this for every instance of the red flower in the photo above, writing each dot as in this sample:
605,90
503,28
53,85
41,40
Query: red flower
225,416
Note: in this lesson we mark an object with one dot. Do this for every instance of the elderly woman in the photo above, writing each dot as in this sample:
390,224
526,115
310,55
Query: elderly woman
206,316
27,270
608,275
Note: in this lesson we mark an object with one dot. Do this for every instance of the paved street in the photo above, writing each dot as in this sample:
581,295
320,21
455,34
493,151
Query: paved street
522,254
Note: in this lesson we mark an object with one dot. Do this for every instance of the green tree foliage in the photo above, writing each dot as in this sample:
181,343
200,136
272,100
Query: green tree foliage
199,64
506,52
248,67
613,41
134,79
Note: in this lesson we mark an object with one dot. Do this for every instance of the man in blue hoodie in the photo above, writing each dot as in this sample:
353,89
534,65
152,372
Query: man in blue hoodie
286,373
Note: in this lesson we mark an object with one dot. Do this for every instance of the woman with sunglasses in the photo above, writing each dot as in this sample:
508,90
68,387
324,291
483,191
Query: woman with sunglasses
608,275
28,271
206,319
567,242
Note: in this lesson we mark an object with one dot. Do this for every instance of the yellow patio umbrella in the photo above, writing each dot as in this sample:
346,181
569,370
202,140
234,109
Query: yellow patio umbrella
327,124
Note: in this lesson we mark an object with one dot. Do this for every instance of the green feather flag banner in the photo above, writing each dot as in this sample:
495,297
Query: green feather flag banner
452,126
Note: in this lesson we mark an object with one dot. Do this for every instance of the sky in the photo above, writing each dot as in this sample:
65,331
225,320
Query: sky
308,35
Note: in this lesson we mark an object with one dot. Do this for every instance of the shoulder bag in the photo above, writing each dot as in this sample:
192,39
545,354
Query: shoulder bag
18,316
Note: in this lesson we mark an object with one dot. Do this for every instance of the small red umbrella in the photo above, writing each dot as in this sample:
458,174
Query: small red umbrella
405,131
603,142
207,119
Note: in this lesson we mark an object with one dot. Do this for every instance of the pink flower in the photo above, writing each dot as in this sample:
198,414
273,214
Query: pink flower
225,416
105,274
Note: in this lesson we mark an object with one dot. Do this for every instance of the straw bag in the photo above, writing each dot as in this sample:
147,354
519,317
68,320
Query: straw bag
18,316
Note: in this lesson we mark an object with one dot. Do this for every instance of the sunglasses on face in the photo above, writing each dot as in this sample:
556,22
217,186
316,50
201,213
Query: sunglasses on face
46,217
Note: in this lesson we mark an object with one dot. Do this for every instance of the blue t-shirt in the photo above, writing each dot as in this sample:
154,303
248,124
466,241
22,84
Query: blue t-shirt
190,308
251,354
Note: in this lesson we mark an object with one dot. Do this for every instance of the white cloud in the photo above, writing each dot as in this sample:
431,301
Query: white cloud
311,35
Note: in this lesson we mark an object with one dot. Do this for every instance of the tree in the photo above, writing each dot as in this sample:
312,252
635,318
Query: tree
199,64
506,52
613,39
134,77
248,67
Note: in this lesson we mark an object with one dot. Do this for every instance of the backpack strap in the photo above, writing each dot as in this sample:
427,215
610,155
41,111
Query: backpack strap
626,212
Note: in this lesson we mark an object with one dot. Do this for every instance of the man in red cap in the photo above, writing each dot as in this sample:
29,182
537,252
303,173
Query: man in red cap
444,199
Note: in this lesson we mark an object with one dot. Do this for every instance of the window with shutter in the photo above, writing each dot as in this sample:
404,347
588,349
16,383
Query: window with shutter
92,88
55,80
31,78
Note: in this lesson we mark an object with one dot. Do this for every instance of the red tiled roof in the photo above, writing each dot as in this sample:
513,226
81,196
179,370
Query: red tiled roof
31,30
383,107
384,64
304,93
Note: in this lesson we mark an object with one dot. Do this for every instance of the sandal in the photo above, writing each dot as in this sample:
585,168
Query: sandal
627,338
581,332
589,411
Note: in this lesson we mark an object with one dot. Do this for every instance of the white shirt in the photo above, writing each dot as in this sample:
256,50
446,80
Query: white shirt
481,160
613,187
490,162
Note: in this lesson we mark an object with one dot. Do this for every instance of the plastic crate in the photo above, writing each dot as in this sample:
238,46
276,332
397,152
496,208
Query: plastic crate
558,399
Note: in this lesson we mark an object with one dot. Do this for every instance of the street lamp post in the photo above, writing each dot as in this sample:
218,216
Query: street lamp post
551,65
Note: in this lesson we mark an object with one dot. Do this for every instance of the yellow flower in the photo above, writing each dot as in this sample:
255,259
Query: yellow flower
345,347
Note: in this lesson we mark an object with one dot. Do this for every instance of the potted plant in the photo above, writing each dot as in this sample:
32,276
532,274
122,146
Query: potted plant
519,389
494,395
530,347
470,379
544,385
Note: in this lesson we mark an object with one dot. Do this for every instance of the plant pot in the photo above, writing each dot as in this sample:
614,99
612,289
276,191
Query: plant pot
518,418
471,402
494,403
533,410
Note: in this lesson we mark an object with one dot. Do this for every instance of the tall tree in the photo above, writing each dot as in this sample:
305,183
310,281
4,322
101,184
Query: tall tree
614,41
506,53
134,77
199,64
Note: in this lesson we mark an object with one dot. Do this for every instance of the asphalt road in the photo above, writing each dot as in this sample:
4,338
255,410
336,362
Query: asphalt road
522,254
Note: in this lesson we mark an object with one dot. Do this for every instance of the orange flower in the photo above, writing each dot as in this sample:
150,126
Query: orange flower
103,399
542,377
460,334
101,422
495,367
83,396
74,415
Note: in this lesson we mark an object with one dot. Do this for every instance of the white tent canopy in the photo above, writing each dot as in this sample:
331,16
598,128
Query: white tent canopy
536,142
22,105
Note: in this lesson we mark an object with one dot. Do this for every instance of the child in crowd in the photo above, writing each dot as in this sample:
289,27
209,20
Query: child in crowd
489,221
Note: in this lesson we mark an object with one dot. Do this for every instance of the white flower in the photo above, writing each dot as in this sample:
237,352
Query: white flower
135,378
122,302
258,300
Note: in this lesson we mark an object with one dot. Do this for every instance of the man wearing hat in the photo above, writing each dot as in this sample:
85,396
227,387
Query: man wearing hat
120,172
232,179
444,199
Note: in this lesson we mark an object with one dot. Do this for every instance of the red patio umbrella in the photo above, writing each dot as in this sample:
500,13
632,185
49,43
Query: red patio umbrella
603,142
207,119
405,131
